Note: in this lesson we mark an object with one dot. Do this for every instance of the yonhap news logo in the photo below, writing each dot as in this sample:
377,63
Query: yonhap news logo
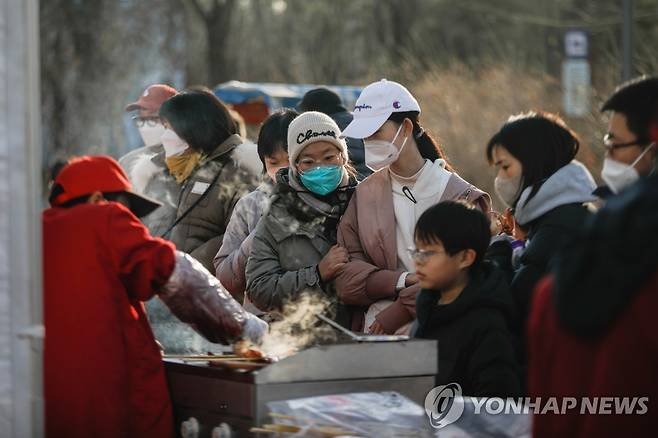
444,405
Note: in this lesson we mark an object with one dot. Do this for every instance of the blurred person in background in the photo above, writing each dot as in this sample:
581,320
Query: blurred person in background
231,259
145,166
326,101
411,174
103,372
630,153
592,327
294,249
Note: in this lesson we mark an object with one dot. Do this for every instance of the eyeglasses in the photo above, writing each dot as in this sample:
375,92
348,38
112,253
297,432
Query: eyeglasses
609,144
422,255
308,163
147,121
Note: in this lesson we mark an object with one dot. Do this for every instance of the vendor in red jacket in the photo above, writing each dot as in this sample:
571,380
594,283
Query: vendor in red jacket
103,370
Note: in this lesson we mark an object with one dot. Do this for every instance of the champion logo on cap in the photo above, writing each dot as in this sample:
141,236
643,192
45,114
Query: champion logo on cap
375,105
362,107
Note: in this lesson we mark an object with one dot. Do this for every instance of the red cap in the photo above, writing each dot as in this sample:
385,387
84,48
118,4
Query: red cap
152,98
86,175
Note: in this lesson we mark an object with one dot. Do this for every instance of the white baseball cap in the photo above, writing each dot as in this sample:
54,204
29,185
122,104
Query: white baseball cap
376,104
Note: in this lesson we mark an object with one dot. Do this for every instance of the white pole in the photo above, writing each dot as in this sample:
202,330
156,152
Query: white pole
21,329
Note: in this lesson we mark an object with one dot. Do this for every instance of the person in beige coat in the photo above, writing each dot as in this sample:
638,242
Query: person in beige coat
411,175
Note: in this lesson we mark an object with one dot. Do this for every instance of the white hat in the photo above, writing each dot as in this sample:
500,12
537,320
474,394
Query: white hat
376,104
311,127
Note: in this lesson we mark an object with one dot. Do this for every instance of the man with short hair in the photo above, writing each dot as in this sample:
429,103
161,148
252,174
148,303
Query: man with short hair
630,152
591,332
145,166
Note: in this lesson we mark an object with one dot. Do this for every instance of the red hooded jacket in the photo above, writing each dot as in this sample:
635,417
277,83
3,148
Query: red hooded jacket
103,370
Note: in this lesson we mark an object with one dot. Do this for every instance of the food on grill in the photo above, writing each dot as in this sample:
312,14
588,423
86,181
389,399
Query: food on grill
246,349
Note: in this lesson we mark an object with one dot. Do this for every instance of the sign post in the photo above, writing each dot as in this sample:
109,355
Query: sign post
576,74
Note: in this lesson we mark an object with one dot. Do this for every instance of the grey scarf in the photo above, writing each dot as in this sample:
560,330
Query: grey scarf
332,211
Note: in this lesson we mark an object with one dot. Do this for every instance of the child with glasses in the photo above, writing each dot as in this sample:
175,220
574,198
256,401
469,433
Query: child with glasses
464,302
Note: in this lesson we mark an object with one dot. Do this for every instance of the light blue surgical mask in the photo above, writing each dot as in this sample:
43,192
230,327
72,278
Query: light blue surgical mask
322,180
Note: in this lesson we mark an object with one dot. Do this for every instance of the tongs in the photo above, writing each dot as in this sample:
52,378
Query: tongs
362,338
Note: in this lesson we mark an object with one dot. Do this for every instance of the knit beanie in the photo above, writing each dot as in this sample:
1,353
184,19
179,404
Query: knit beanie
311,127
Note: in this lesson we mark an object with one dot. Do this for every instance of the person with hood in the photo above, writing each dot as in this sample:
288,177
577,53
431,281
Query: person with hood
592,327
630,153
294,247
326,101
411,174
103,372
464,302
547,190
146,166
231,259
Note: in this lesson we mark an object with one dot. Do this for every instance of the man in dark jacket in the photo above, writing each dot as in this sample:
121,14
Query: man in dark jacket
592,328
464,302
326,101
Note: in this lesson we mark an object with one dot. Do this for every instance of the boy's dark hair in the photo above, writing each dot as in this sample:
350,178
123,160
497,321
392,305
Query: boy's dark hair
199,118
457,225
273,133
541,141
323,100
638,101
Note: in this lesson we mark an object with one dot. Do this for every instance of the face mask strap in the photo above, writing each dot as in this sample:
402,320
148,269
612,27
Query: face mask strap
637,160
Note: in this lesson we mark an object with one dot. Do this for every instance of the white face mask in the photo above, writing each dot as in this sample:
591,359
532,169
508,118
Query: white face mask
151,135
381,153
173,144
618,175
508,189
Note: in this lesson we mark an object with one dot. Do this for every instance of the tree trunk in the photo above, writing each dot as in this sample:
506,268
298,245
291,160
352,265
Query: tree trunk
217,20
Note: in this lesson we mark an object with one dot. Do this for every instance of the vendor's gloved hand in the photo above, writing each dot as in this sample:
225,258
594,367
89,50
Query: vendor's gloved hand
197,298
254,329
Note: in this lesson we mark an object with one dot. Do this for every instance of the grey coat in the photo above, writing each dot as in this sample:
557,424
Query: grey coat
289,242
231,259
200,233
284,259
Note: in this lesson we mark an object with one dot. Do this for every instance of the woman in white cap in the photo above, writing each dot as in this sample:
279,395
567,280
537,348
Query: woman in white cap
294,246
411,174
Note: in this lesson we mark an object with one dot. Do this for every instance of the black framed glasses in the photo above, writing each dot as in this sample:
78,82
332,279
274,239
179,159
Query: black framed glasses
147,121
609,144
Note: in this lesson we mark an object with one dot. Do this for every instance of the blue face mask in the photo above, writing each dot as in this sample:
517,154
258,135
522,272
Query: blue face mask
322,180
